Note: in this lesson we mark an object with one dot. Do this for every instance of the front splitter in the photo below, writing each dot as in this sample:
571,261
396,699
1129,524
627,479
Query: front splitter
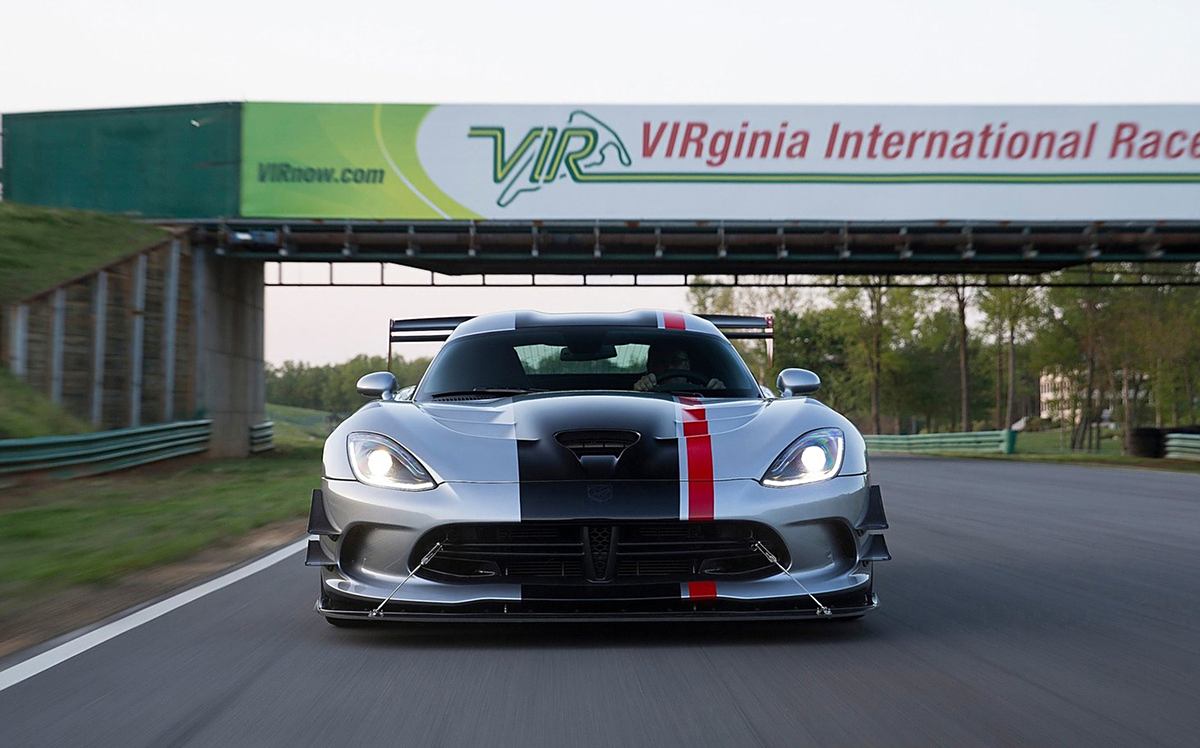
514,612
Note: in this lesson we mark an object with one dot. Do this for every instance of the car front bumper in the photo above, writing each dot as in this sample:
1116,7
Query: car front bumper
365,541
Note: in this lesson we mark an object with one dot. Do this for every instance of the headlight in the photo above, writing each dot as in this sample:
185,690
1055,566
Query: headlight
378,461
816,456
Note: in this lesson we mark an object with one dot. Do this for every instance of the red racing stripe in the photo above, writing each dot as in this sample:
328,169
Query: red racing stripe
673,321
699,460
702,590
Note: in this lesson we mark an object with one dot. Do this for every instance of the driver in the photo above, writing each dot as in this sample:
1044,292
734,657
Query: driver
666,362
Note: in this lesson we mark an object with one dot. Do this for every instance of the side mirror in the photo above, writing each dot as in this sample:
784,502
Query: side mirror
377,384
797,382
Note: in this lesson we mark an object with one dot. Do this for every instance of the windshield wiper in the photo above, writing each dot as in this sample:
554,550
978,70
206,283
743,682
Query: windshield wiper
487,391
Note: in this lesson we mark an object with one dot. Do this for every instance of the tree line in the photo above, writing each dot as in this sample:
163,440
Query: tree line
953,358
962,358
330,387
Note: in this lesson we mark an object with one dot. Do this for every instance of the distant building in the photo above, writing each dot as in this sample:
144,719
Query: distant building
1057,397
1061,397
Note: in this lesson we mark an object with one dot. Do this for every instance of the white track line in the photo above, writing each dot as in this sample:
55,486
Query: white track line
80,644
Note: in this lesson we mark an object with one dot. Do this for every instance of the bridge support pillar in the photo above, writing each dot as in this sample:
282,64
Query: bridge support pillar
231,384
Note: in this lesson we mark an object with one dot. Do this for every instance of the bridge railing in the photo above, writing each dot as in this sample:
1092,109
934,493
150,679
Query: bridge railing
1183,446
102,451
1002,442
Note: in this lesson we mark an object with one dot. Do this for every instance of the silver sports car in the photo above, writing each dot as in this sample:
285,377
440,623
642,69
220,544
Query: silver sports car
593,466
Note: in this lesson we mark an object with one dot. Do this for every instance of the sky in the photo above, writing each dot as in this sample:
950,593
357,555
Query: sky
78,54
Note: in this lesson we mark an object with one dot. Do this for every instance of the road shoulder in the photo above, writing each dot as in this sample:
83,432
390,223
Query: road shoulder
76,607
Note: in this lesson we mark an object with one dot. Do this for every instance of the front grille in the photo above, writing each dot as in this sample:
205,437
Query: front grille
552,567
654,567
613,553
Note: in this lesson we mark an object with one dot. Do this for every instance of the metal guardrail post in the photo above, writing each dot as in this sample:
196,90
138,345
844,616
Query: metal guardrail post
1183,447
262,436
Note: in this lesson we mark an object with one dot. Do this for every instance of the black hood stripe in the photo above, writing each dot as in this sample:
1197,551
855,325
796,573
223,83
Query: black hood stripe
641,482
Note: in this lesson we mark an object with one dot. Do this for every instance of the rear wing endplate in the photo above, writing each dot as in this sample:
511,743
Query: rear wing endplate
743,327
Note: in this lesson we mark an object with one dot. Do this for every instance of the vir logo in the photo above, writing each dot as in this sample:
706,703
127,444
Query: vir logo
547,154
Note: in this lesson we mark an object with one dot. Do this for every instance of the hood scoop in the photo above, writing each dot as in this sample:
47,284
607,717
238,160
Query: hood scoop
598,450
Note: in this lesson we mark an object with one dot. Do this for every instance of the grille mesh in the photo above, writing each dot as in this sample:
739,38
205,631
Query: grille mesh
579,554
600,546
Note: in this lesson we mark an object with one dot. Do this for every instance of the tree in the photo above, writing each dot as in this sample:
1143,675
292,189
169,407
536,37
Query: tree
816,339
705,298
923,372
1011,309
961,297
878,313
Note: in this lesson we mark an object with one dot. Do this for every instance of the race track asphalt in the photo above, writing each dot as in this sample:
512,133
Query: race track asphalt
1032,604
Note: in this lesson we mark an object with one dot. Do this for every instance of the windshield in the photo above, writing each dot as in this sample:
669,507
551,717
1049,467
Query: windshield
545,359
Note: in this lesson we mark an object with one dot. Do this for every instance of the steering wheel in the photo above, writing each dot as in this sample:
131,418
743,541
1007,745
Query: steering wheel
686,374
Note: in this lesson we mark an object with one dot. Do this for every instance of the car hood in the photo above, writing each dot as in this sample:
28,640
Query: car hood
574,436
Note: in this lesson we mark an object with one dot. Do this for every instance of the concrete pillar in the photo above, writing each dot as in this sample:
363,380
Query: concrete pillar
136,339
229,337
58,329
199,360
170,317
99,343
18,340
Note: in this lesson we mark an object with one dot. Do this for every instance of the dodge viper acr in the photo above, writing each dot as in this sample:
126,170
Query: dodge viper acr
593,467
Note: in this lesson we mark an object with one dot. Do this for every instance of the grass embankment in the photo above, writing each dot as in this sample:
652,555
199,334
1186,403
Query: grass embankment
95,530
26,412
42,247
85,534
39,249
1058,442
299,426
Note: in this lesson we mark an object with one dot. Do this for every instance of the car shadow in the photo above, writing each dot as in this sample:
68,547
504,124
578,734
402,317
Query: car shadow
571,635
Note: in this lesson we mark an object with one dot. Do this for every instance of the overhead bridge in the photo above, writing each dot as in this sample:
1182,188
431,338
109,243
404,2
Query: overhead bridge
712,248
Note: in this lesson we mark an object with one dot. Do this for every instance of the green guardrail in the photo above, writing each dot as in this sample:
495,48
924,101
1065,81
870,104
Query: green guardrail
262,436
1003,442
103,451
1183,446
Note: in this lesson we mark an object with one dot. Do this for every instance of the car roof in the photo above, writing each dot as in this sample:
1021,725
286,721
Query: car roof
520,320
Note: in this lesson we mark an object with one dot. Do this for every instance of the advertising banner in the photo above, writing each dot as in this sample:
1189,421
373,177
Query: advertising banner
691,163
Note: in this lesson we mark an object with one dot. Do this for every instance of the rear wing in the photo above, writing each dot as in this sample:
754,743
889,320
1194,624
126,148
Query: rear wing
743,327
422,330
438,329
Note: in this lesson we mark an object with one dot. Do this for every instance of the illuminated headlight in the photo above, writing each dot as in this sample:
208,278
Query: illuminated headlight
816,456
378,461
